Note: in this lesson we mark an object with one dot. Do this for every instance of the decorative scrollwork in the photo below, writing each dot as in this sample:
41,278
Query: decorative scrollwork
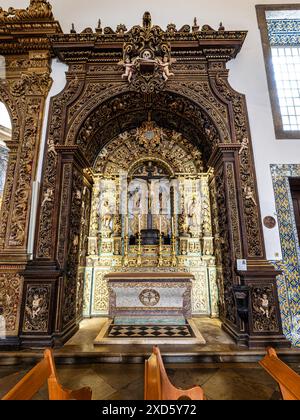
264,309
38,9
11,285
252,223
227,308
147,57
54,136
37,305
32,84
70,286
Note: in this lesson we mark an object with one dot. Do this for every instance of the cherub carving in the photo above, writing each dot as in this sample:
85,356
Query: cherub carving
37,305
244,145
129,69
165,67
106,215
51,147
264,305
48,196
249,194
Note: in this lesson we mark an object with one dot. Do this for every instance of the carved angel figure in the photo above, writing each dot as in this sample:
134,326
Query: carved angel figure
244,145
37,305
129,69
249,194
264,305
165,67
106,215
48,196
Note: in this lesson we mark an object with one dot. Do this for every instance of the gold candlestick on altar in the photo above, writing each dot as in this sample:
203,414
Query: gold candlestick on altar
125,259
126,240
160,251
139,251
173,244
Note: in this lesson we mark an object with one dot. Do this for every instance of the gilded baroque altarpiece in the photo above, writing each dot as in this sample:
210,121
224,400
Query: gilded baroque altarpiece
118,185
118,81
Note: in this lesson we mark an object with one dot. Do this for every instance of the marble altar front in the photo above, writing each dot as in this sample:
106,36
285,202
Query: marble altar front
162,296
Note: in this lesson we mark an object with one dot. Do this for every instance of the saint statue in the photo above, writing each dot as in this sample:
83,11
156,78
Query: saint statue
106,215
193,213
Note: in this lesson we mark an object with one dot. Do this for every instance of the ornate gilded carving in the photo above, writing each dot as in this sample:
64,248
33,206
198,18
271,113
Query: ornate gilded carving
123,152
101,113
100,293
234,213
49,184
11,285
85,224
38,9
126,154
32,84
7,197
71,279
198,126
227,304
252,221
37,305
264,309
20,213
146,57
24,94
64,216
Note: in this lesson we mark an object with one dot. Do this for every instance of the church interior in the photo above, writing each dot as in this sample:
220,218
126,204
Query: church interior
149,201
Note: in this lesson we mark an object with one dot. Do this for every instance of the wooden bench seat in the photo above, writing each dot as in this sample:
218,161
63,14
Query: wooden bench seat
43,372
287,379
158,386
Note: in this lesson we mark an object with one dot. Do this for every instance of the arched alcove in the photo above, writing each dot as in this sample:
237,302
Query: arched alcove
149,178
97,106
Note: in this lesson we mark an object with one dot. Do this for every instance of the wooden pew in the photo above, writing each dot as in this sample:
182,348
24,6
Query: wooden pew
43,372
287,379
158,385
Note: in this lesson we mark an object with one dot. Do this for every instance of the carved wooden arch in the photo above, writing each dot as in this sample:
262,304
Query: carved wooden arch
215,116
95,82
65,163
125,151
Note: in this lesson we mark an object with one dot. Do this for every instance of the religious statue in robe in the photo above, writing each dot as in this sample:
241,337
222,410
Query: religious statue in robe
194,214
106,216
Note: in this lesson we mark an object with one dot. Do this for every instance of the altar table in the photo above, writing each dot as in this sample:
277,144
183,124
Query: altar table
158,295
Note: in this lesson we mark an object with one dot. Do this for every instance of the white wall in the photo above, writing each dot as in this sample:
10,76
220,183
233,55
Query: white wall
247,71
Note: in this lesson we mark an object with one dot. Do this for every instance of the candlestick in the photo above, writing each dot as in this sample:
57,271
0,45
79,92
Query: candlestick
160,251
126,224
173,226
125,259
160,224
139,252
173,245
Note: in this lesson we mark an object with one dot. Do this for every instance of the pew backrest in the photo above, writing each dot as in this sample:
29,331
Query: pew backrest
45,372
287,379
158,385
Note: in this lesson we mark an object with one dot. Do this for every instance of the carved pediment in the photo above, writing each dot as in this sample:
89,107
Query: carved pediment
23,30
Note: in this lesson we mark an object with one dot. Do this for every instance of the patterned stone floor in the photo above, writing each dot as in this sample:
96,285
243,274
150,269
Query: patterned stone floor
125,382
146,331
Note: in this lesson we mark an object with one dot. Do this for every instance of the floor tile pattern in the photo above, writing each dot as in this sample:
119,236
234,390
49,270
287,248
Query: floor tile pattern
160,331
